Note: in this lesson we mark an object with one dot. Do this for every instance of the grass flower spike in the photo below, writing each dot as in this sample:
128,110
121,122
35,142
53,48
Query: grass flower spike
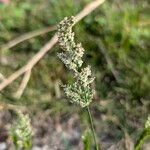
80,92
21,132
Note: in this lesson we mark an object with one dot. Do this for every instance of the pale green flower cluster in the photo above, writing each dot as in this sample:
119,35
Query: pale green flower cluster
147,124
80,91
21,132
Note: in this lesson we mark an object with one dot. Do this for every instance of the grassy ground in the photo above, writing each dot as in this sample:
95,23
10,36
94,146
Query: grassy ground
115,37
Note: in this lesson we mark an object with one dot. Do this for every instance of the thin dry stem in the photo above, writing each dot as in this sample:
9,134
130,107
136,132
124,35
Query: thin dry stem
4,106
23,84
27,36
30,64
88,9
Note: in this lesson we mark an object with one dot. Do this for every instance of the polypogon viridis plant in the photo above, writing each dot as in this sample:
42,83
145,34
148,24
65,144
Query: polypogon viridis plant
21,132
80,91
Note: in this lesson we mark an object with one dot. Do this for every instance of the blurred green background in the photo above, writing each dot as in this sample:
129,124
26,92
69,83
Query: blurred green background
116,39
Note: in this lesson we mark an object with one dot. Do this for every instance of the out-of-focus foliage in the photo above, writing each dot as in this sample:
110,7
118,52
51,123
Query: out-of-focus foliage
116,39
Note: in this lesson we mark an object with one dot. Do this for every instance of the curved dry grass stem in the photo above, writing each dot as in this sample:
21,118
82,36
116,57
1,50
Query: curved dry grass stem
32,62
88,9
27,36
23,84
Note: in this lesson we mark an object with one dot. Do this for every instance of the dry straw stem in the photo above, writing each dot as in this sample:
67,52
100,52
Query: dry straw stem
32,62
4,106
26,36
23,84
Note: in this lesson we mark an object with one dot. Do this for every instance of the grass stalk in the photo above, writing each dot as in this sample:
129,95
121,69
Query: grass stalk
92,128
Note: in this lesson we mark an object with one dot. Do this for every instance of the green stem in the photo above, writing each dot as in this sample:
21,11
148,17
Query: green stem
92,127
145,135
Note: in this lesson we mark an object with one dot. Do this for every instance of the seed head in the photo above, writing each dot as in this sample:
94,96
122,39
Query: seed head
80,92
21,132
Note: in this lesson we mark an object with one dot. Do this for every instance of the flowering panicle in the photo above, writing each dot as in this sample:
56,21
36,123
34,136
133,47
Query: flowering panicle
80,91
21,132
